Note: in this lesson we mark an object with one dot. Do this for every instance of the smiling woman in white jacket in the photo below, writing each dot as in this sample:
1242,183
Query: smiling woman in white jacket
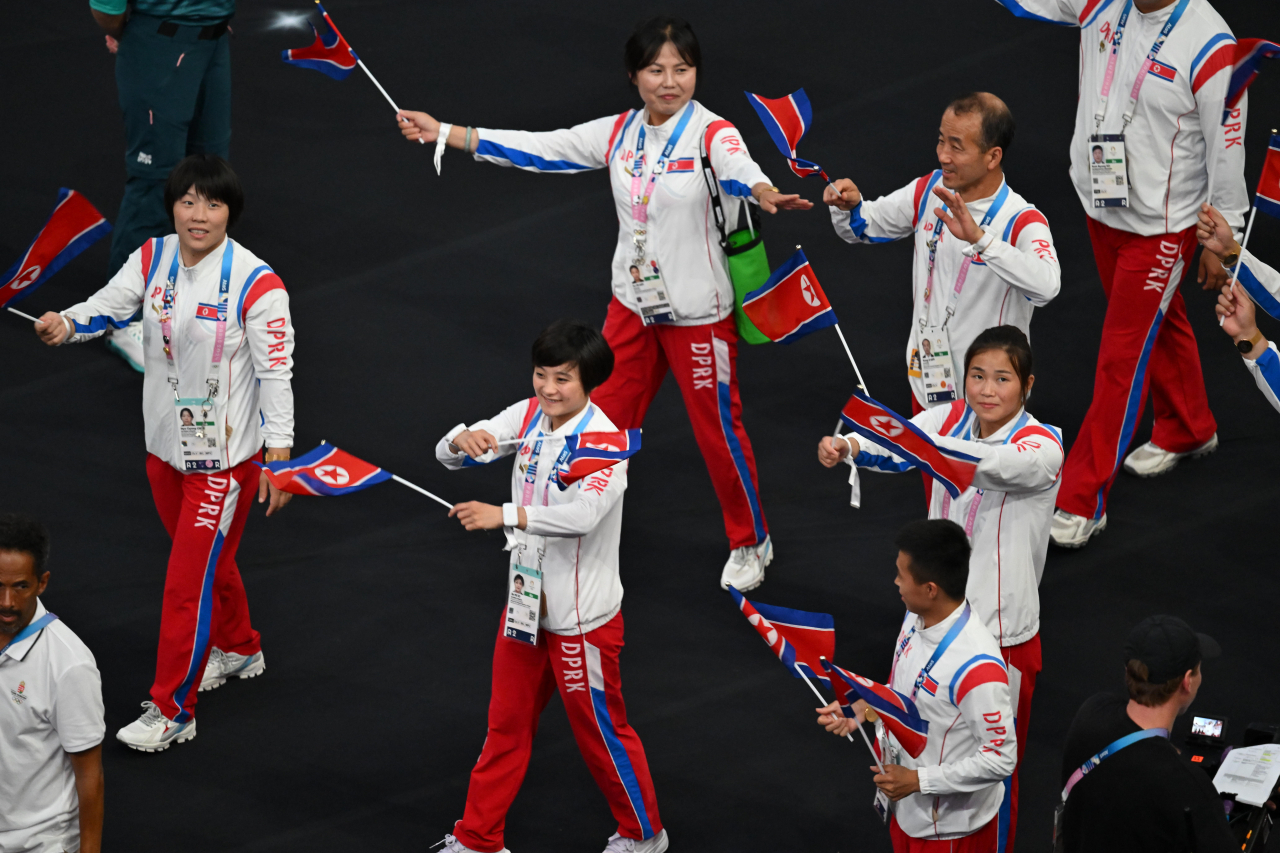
672,305
1006,512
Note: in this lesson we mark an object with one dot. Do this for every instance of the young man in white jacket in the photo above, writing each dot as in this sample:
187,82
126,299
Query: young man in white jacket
983,257
1153,83
947,798
564,563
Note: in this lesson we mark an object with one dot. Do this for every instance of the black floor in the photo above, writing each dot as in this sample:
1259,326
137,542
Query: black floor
415,298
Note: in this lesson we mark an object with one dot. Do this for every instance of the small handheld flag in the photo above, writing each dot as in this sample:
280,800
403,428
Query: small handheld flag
329,53
898,712
590,452
74,226
799,638
324,471
1267,198
791,304
787,119
1248,62
953,469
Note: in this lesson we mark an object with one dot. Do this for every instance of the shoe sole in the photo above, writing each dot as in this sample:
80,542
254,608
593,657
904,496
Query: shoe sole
1075,546
159,747
768,558
205,686
1195,454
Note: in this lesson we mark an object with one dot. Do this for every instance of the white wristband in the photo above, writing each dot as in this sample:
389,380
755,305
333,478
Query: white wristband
510,515
71,330
441,141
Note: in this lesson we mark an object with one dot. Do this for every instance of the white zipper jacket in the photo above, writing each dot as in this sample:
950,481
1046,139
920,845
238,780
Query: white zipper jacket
682,232
579,527
1014,269
1006,512
971,746
255,397
1263,284
1179,149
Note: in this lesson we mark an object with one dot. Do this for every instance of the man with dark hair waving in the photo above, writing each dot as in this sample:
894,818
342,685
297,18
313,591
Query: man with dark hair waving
567,636
51,723
946,660
984,258
1142,796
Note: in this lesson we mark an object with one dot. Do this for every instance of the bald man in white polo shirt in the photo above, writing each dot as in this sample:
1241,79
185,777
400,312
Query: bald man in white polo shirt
51,722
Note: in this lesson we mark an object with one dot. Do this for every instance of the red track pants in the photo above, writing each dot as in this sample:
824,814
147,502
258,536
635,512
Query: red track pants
704,360
585,671
982,841
204,600
1146,340
1024,663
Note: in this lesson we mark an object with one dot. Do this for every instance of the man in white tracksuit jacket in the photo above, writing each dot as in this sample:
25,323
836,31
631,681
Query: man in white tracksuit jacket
1180,148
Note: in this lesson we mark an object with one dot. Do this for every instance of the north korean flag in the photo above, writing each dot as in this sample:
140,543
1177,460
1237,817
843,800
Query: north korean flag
791,303
1163,71
1249,54
1267,198
787,119
682,164
899,714
329,53
74,226
953,469
800,639
590,452
205,311
324,471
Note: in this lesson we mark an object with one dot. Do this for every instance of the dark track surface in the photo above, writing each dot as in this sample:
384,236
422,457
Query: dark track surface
415,300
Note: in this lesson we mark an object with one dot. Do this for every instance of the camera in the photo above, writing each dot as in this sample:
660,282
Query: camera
1206,747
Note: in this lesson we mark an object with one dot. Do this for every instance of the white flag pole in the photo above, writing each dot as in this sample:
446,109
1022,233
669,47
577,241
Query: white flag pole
1231,285
25,316
879,766
444,503
533,438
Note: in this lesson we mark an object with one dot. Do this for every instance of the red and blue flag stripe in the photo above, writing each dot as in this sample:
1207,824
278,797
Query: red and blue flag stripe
801,640
791,304
74,226
590,452
324,471
1248,57
329,53
1267,198
898,712
787,119
952,468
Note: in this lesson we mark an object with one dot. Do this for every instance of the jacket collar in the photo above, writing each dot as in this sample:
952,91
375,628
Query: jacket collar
934,634
569,426
1001,435
19,650
211,260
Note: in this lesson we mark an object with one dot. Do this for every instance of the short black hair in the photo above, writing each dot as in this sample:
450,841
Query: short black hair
651,34
997,121
212,177
576,344
1014,342
939,553
24,534
1096,148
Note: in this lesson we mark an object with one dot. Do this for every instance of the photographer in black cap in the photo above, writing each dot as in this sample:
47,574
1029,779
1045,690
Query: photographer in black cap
1127,787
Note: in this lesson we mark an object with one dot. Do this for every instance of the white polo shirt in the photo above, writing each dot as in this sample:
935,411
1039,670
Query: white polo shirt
50,704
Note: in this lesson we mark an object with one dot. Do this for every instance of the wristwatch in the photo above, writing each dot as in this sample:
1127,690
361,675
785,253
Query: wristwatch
1246,345
1232,258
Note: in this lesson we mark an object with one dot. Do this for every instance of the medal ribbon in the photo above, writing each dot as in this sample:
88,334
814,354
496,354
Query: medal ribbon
640,194
1146,64
998,202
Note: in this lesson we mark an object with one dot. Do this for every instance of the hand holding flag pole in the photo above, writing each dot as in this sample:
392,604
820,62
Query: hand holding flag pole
870,715
1268,182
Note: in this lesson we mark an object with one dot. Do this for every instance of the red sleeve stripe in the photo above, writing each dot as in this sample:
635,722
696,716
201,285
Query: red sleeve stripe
530,410
1088,10
264,284
148,249
1223,57
921,185
714,128
987,672
613,134
1027,217
953,417
1035,429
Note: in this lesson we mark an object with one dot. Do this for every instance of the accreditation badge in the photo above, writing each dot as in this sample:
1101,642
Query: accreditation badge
524,603
937,369
650,292
199,441
1108,170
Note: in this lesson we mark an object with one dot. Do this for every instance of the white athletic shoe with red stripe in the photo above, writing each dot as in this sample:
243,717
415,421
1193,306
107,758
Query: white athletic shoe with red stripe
618,844
153,732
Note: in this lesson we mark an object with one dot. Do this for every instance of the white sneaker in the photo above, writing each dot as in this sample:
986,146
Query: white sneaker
1074,531
127,343
745,569
453,845
223,665
153,732
1152,461
618,844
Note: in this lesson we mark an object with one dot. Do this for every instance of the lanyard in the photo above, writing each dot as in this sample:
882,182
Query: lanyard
37,625
1142,71
996,204
641,194
531,473
972,518
220,336
952,633
1107,751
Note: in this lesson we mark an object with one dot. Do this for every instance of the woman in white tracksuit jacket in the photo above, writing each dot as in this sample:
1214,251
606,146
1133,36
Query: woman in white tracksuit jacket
1007,510
672,305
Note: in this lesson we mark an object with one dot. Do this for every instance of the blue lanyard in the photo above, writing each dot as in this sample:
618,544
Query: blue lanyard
1174,17
939,651
637,168
531,473
996,204
34,627
166,318
1107,751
